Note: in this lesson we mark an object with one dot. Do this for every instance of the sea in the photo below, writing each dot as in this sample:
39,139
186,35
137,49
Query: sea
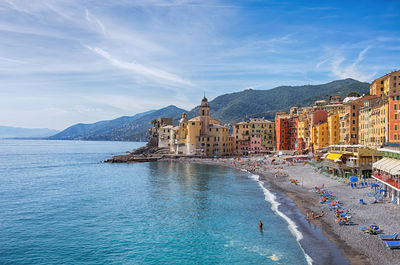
61,204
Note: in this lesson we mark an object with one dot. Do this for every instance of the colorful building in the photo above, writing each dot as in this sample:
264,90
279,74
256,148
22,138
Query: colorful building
201,135
333,127
320,135
350,160
286,131
254,136
387,114
379,122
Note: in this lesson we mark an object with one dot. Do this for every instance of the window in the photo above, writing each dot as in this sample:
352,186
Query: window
395,106
395,116
354,106
395,137
395,127
354,114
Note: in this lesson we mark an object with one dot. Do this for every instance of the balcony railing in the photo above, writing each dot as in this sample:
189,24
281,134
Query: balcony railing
387,180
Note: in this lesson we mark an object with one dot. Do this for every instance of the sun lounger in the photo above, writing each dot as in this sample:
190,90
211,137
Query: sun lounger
389,237
362,201
393,244
395,200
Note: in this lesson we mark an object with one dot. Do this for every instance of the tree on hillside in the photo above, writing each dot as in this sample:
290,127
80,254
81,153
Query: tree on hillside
353,94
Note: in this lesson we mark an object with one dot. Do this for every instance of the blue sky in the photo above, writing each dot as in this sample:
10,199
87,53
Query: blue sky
69,61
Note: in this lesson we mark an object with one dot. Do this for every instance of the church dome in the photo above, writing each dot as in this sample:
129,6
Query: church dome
184,118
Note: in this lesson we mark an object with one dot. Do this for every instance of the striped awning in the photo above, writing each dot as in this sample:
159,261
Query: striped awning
391,166
333,156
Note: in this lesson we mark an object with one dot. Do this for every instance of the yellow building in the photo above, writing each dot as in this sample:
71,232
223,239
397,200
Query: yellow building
201,135
379,122
320,135
303,131
376,87
265,129
388,88
254,136
365,124
334,127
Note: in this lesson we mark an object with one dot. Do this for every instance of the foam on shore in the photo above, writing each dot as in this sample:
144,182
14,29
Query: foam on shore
271,198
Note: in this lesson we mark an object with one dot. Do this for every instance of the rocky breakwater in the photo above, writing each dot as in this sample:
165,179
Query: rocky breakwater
142,154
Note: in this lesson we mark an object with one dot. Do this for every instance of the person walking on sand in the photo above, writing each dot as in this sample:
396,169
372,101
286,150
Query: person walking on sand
260,225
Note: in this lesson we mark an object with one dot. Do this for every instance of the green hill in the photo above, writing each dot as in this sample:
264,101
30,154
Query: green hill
134,128
237,106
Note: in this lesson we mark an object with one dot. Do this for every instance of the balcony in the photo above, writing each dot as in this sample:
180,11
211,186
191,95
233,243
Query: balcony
387,180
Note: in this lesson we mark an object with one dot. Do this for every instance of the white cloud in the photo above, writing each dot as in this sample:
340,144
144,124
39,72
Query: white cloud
339,69
92,19
152,73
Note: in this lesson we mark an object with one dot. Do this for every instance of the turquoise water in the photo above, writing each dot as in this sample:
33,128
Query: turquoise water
60,204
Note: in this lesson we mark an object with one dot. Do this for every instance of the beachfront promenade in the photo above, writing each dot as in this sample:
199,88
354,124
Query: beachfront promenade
298,181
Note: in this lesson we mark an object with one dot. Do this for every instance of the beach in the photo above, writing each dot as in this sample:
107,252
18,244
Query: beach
298,180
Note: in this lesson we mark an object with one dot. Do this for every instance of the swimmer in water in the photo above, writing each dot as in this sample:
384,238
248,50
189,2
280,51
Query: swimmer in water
260,224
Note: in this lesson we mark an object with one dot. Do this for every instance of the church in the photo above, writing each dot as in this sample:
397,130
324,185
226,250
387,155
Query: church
200,135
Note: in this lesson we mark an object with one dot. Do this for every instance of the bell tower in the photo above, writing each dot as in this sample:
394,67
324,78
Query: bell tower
204,115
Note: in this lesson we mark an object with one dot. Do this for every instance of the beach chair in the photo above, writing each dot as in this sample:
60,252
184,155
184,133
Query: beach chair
393,244
394,200
389,237
362,202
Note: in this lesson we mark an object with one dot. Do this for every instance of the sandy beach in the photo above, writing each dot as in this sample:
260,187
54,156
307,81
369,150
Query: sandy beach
357,246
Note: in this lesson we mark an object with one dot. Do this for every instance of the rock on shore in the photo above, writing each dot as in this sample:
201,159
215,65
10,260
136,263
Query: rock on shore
142,154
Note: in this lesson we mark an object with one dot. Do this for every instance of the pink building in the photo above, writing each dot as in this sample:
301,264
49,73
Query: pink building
256,144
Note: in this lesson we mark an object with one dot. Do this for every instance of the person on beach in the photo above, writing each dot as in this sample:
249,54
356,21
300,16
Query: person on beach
260,225
312,215
322,214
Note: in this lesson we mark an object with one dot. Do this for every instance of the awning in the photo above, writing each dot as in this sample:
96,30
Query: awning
391,166
381,163
333,156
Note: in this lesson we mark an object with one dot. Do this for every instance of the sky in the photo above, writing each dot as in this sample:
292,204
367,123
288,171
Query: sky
80,61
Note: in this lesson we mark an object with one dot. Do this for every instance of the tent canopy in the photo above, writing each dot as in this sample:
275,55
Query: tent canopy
333,156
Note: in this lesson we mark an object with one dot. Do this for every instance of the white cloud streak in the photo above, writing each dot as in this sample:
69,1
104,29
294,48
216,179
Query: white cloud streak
152,73
342,71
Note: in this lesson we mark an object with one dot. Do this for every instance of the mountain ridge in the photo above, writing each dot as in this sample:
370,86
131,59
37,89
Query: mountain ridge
125,128
228,108
7,132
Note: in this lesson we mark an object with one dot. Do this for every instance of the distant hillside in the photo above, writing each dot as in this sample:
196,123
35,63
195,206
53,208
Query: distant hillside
234,107
17,132
228,108
134,128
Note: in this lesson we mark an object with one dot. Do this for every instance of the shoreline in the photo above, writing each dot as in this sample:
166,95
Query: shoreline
304,202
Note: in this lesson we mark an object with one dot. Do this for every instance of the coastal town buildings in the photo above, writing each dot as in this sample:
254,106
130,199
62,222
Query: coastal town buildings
333,126
286,129
320,135
254,136
154,132
201,135
348,160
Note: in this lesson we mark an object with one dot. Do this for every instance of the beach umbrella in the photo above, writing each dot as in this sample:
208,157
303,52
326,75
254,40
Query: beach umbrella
354,179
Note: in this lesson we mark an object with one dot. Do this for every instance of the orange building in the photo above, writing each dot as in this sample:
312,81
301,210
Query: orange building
285,131
388,88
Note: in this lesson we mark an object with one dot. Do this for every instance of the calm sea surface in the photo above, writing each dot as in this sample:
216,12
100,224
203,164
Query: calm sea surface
60,204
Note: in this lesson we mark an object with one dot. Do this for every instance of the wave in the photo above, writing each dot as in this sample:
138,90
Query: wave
271,198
